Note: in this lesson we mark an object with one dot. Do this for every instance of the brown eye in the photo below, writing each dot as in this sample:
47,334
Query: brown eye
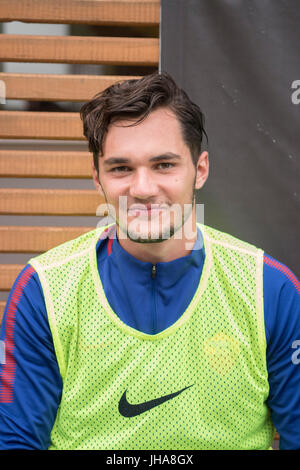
119,169
165,165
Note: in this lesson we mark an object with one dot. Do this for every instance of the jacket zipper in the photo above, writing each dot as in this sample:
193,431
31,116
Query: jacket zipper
154,319
153,271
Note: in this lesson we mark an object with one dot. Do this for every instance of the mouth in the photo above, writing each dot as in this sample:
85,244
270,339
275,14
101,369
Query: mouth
146,209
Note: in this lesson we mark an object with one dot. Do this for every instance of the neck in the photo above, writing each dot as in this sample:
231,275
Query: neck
167,250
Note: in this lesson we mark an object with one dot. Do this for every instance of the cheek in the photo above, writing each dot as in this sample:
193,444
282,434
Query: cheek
113,189
180,184
183,190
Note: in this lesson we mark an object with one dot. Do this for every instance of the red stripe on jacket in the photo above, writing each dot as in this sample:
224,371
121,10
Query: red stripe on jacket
281,267
9,367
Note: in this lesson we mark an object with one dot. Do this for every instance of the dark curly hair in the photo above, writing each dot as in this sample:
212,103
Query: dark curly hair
134,100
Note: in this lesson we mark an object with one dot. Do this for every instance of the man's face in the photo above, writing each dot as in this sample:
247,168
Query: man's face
147,174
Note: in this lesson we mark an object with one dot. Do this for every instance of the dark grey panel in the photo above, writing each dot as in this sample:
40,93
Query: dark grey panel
239,60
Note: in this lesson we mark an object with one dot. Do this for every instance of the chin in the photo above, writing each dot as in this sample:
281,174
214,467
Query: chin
150,237
138,239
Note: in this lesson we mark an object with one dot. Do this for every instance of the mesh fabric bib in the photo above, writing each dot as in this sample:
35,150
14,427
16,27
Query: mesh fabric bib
200,384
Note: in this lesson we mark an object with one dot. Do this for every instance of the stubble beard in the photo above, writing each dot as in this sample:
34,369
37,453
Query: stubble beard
166,232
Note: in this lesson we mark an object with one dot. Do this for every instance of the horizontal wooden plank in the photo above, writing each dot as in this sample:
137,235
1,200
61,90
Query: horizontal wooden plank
101,12
44,87
50,202
79,49
8,275
45,164
40,125
15,239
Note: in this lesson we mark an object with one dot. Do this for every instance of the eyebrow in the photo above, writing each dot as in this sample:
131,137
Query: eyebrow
157,158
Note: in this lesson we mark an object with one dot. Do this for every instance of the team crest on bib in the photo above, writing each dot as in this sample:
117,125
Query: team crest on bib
222,352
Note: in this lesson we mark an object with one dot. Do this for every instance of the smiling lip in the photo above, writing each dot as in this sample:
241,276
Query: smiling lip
146,209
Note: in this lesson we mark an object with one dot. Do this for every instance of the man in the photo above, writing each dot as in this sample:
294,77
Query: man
155,332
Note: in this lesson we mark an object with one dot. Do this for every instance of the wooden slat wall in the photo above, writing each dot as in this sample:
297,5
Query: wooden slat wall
40,125
8,274
79,50
37,87
2,307
36,239
45,164
105,49
98,12
49,201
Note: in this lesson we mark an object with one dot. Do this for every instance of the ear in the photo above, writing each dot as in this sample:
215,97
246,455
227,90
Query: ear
202,170
96,179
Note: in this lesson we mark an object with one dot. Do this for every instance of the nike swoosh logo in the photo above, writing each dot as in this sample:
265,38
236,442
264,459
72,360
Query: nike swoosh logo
128,410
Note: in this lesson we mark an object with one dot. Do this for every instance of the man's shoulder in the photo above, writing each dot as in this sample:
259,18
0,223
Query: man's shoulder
279,275
232,242
276,274
66,251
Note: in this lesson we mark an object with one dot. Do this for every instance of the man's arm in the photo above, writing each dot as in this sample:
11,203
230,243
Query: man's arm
30,382
282,322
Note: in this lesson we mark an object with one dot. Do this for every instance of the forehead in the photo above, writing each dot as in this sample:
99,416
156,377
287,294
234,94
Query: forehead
160,131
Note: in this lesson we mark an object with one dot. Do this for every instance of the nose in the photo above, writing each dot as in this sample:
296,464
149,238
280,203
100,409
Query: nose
143,185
